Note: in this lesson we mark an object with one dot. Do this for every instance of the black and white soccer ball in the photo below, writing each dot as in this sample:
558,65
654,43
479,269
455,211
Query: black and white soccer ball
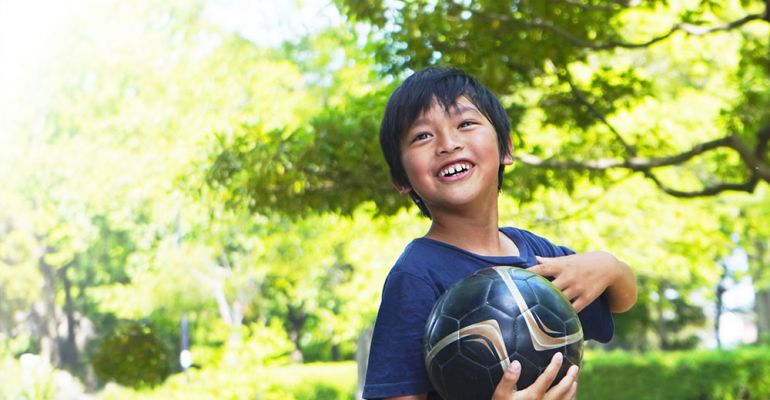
492,317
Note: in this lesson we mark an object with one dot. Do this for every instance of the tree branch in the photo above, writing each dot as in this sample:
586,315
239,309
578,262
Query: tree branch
755,160
759,169
635,163
747,186
602,165
690,29
581,97
594,7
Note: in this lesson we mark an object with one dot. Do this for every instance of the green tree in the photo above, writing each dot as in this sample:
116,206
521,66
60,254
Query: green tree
584,67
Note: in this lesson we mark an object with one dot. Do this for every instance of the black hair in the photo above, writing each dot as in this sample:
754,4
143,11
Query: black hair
416,95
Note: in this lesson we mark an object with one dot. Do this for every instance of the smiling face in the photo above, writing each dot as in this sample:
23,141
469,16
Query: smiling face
451,157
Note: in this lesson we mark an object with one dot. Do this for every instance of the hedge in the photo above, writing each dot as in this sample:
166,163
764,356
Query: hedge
703,375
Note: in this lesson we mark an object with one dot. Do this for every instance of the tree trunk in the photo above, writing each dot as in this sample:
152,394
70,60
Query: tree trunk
762,295
69,348
336,356
296,319
362,359
661,323
47,321
232,315
762,308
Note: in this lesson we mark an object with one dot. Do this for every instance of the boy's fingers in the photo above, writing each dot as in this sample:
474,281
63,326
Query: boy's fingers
579,304
541,269
564,389
507,385
543,382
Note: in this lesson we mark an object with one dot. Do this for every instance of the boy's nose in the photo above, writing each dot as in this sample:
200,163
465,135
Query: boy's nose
448,142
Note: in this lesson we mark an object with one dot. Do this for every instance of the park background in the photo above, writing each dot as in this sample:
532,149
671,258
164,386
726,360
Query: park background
206,176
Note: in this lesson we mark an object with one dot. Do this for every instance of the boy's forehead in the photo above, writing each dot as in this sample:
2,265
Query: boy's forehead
460,105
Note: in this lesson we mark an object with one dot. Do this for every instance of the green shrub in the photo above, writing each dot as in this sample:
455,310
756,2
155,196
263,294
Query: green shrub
699,375
132,356
316,381
319,391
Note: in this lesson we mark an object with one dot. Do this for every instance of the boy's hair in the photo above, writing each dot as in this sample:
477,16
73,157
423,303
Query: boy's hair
416,95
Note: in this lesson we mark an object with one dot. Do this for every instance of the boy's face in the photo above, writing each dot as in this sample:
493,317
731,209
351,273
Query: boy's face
451,157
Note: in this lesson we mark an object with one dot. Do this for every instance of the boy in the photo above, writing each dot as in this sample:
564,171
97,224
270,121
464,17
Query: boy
446,140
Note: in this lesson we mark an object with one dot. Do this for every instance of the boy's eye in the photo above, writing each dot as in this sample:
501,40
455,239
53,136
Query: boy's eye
466,124
421,136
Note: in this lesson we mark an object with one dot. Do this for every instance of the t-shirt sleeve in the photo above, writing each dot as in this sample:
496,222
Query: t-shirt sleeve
396,366
596,318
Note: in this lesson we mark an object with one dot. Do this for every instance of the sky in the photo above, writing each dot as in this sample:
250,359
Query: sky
268,22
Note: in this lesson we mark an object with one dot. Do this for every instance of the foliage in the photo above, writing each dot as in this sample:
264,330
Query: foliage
327,162
739,374
32,377
596,93
332,381
610,77
133,356
674,262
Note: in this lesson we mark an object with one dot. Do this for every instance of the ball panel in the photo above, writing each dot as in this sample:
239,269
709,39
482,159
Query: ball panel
441,343
463,378
499,297
548,296
466,296
442,326
529,370
487,335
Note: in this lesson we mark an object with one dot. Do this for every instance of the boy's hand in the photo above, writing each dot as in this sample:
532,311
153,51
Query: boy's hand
566,389
581,277
584,277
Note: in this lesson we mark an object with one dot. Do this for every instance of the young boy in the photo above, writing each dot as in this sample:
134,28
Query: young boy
446,140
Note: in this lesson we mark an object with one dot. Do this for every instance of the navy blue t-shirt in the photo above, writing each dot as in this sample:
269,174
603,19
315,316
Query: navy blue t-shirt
425,270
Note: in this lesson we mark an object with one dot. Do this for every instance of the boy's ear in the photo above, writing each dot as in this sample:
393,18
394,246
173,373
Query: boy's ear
508,157
401,188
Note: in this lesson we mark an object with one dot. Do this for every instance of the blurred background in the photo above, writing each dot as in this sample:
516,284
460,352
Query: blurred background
193,203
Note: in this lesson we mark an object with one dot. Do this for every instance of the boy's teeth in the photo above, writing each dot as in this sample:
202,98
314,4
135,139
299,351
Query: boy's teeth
454,169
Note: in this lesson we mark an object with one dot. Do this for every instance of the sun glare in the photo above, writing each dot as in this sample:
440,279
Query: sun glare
28,35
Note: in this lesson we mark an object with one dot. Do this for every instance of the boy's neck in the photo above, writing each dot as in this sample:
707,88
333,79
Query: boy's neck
479,234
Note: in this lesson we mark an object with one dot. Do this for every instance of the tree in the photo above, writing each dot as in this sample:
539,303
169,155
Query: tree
592,89
588,67
595,92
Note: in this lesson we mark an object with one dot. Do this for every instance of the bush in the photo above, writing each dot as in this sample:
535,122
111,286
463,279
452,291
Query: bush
738,374
132,356
316,381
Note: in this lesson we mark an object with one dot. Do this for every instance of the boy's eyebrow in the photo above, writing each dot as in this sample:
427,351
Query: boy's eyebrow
455,109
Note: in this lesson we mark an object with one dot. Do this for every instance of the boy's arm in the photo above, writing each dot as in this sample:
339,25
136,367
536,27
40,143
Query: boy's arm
584,277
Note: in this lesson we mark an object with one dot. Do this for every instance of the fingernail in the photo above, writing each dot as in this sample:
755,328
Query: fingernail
515,366
558,357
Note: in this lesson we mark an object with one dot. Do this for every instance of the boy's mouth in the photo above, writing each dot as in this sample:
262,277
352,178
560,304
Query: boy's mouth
455,169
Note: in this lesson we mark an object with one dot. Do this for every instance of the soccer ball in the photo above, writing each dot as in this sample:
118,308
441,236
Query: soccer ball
492,317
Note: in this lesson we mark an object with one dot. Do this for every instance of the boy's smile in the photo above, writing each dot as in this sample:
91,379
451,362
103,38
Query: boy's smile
451,157
456,170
